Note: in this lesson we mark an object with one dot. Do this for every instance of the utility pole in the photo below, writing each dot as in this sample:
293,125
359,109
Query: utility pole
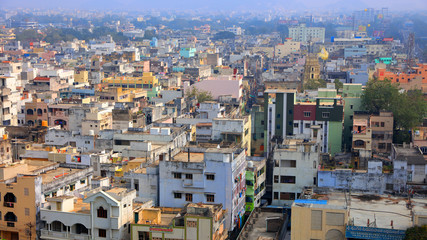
29,229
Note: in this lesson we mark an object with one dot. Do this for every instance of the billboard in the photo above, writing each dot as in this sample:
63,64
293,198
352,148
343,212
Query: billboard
359,232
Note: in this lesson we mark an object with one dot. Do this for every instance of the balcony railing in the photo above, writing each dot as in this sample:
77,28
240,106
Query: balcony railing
9,204
66,235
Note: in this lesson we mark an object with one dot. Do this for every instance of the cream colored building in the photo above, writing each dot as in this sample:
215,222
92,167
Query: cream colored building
286,48
100,215
194,221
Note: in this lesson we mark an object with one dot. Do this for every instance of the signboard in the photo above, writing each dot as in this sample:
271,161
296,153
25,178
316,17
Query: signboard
160,229
359,232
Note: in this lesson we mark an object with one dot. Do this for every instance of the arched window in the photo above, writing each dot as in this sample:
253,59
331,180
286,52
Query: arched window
10,217
31,123
39,112
30,112
9,200
79,229
102,213
58,226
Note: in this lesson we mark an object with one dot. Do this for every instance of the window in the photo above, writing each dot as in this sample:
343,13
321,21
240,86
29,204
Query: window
278,126
287,179
307,125
188,197
287,196
275,195
188,176
276,179
351,106
26,192
382,124
278,115
210,198
334,219
210,177
325,115
27,212
102,213
288,163
316,220
102,233
262,122
177,195
307,114
177,175
295,125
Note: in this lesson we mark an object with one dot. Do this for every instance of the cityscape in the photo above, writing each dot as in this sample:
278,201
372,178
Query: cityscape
167,120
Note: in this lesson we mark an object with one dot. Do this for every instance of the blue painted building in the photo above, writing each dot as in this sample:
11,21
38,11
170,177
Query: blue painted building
187,52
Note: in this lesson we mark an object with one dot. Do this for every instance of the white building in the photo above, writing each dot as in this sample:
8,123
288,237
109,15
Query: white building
295,167
305,34
101,215
212,175
9,98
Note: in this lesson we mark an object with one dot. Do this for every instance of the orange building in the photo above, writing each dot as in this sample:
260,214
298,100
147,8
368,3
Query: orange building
416,78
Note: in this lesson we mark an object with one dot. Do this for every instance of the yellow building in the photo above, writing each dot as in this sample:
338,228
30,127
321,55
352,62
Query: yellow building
81,76
19,208
194,221
119,94
318,219
147,81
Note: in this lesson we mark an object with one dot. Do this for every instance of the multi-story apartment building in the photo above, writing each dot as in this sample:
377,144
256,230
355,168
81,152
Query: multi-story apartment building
194,221
100,215
36,112
305,34
212,175
278,115
372,133
235,130
255,182
9,98
295,167
5,147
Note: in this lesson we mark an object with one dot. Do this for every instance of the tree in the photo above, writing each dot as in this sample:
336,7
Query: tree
314,84
338,84
409,107
200,95
224,35
416,233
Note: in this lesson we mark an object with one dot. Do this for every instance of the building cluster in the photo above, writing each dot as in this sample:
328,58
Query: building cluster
184,136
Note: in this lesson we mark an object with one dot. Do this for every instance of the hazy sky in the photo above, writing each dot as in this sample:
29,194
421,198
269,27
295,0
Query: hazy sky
227,5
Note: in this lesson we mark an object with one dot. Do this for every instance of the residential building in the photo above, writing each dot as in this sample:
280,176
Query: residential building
295,167
193,221
311,69
278,115
100,215
9,98
305,34
286,48
146,81
323,214
352,102
255,182
234,130
211,175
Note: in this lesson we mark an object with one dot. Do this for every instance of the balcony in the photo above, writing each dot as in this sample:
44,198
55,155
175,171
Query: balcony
46,234
9,204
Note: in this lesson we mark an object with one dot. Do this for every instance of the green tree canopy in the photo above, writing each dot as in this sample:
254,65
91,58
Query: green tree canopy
200,95
409,107
338,84
224,35
314,84
416,233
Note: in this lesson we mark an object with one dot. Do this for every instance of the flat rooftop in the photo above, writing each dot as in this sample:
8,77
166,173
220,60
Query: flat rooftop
58,173
259,230
183,157
381,209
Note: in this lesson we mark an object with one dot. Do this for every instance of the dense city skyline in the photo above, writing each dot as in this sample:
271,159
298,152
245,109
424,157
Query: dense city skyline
223,5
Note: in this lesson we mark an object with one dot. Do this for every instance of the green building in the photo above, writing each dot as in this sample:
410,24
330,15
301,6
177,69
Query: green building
257,121
352,102
255,182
